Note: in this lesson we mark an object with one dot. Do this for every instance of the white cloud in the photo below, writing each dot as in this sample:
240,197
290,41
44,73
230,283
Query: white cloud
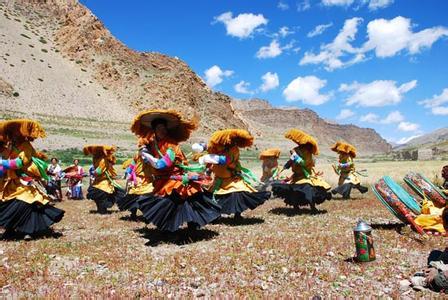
440,110
408,126
282,5
386,38
345,114
372,4
376,93
243,25
337,2
377,4
389,37
303,6
331,54
273,50
370,118
215,75
437,102
242,87
270,81
319,29
393,117
285,31
307,90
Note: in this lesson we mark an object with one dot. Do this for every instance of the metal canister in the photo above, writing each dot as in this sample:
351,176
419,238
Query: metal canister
364,242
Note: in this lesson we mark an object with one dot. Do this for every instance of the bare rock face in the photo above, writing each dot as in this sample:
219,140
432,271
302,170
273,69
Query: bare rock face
270,123
137,80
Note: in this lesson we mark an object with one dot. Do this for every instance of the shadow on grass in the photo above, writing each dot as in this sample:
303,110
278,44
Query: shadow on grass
388,226
238,221
132,219
108,212
183,236
291,211
47,234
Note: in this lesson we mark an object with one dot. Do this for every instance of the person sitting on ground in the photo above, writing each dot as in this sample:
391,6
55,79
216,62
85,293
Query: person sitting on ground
435,276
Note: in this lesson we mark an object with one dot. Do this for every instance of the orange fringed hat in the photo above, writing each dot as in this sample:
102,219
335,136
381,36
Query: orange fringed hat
22,128
222,138
344,148
179,129
301,138
99,150
268,153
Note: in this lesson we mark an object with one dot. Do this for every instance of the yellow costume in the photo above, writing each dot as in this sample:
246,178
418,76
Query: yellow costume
305,186
231,185
431,217
270,166
104,190
348,178
25,203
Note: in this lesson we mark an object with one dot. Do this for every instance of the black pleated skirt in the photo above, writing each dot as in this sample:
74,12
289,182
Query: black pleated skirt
345,189
132,201
103,199
300,194
28,218
237,202
170,212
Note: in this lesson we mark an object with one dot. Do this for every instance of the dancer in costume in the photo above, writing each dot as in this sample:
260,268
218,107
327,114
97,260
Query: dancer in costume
348,179
25,206
180,198
270,165
104,190
140,178
232,186
304,187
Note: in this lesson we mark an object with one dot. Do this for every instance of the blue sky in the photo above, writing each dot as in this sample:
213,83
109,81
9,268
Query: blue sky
374,63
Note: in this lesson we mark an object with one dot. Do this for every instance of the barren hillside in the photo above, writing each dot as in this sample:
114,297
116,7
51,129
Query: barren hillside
270,123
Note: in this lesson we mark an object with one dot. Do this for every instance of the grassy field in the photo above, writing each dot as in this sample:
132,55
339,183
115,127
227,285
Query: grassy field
275,251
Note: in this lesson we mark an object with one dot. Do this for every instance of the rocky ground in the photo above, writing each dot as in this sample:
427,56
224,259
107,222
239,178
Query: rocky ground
275,251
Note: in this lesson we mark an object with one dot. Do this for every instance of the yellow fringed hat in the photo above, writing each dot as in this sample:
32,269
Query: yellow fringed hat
22,128
222,138
301,138
99,150
344,148
268,153
127,163
179,129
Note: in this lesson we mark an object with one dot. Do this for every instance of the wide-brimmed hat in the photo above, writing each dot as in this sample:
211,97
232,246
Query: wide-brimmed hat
342,147
179,129
301,138
227,137
21,128
99,150
270,153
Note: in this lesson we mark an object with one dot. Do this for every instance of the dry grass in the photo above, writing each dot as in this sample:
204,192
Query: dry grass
277,251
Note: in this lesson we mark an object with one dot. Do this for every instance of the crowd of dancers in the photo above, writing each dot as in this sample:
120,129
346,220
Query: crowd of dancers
169,188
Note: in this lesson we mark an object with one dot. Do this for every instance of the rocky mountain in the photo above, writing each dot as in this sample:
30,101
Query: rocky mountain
60,65
437,138
269,124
